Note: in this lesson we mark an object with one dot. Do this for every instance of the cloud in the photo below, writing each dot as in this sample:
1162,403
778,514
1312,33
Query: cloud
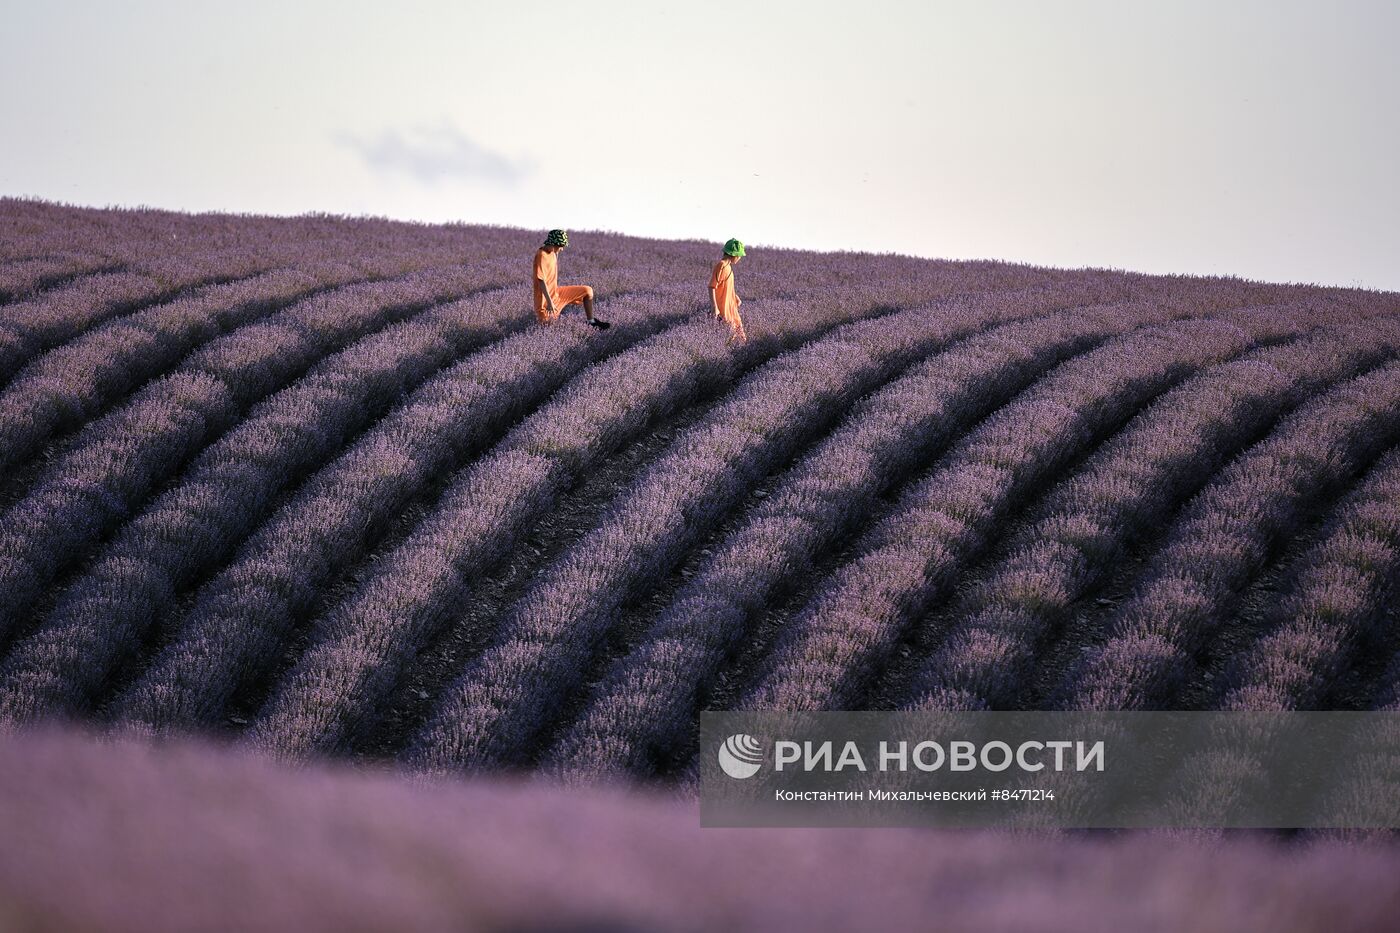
435,154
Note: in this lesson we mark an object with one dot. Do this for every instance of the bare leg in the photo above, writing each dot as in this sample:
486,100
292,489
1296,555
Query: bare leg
588,310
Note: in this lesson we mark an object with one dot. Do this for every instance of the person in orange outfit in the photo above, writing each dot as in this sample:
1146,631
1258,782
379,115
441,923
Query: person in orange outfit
723,298
551,298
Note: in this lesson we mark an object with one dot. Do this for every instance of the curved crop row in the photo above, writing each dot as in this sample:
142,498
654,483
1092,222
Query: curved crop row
1388,695
1131,486
1225,536
72,383
21,278
225,492
28,328
1368,785
649,695
828,652
359,648
118,460
1338,597
545,648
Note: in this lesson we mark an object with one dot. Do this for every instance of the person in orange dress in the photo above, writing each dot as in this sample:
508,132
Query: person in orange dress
723,298
551,298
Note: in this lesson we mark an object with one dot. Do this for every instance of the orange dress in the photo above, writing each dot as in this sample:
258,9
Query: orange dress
547,268
726,297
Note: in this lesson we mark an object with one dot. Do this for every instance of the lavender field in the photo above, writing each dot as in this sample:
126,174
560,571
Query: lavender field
321,488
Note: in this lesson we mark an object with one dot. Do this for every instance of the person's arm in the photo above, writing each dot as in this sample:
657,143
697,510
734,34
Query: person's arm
716,278
544,289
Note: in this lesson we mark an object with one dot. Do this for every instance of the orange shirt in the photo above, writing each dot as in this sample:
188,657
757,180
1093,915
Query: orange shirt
722,281
547,268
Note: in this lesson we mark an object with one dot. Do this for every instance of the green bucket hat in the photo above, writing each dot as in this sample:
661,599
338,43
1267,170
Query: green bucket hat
557,238
734,248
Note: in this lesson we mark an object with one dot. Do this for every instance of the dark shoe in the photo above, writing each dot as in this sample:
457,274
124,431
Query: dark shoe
601,325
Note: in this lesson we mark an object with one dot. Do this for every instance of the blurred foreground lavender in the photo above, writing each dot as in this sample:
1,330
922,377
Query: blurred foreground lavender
118,835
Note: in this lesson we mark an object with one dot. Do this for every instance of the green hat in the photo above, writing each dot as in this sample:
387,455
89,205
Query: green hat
557,238
734,248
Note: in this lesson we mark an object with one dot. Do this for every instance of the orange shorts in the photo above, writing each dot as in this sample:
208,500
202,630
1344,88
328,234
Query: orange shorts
565,295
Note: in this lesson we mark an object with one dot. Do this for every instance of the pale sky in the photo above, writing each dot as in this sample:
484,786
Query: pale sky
1259,139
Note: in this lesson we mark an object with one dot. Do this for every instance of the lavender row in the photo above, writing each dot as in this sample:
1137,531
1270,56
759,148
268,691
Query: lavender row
72,383
544,650
27,328
360,647
20,279
118,460
827,653
1370,773
1225,536
225,493
46,320
69,385
648,697
1373,772
1388,696
1336,602
1131,486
